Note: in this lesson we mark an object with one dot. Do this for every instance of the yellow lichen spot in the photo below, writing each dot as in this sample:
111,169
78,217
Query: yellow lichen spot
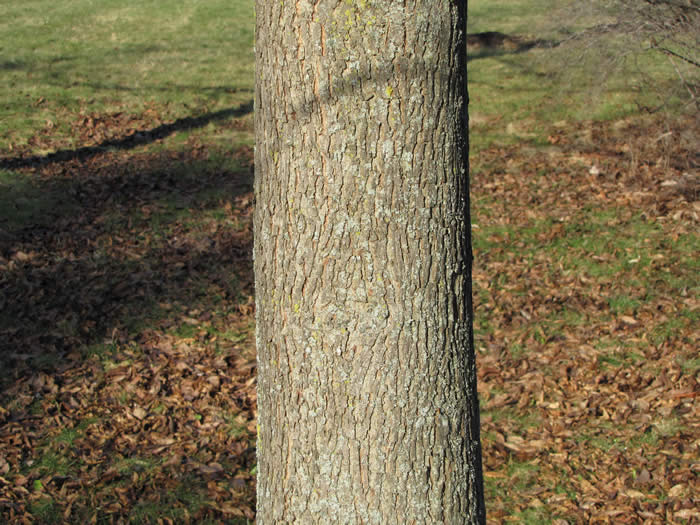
297,308
389,91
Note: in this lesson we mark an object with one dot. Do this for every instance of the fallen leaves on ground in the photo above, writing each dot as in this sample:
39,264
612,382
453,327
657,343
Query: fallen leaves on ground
128,366
589,414
127,361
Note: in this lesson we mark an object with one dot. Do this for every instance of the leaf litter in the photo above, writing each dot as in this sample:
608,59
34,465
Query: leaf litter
128,361
589,412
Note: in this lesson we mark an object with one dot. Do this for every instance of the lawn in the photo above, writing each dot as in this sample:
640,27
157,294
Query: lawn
127,357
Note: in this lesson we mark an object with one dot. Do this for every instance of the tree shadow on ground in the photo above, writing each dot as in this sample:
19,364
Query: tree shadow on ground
493,43
133,140
100,243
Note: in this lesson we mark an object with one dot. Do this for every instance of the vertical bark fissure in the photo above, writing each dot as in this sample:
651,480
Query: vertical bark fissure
362,261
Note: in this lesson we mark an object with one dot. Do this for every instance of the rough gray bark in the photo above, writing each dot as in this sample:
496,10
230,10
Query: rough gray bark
366,377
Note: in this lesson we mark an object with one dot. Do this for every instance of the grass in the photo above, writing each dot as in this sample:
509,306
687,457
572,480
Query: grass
627,261
623,304
522,477
618,359
55,463
690,365
589,245
508,17
236,426
183,57
129,466
516,97
45,510
23,201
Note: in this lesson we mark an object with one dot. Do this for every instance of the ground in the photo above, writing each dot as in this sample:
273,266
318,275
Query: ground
127,359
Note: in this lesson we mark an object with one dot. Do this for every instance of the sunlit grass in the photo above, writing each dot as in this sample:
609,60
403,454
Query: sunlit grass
184,58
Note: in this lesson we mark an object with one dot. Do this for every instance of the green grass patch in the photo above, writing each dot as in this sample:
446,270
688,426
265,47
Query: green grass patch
68,435
127,466
45,510
185,58
590,245
620,358
186,331
56,457
101,351
689,365
187,498
237,426
521,420
608,436
511,17
666,330
601,440
517,350
520,478
53,462
674,326
535,516
623,304
557,322
24,202
516,96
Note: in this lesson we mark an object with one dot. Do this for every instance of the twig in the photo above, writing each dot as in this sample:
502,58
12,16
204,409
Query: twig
669,52
678,72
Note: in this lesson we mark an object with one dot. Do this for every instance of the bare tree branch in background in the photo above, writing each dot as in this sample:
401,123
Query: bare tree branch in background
616,33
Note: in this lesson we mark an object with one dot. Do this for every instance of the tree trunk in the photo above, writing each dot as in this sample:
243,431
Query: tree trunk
367,400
